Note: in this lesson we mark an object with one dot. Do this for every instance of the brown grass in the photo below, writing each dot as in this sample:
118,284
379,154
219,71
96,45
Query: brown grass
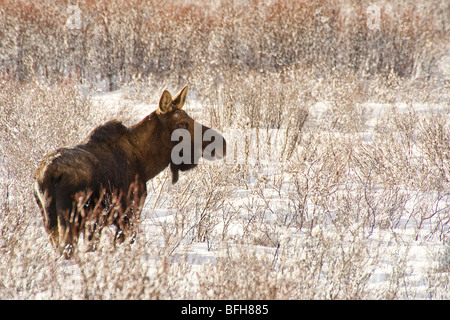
324,224
118,41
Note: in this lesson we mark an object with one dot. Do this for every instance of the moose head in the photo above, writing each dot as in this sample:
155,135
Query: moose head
190,140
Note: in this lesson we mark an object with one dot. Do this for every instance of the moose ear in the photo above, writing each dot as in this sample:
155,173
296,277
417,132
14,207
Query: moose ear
180,98
165,103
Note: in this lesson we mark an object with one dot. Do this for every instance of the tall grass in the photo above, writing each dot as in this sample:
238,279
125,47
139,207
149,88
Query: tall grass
357,191
117,41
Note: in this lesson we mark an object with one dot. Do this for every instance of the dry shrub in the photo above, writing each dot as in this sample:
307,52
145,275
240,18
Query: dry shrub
127,272
112,43
322,265
324,224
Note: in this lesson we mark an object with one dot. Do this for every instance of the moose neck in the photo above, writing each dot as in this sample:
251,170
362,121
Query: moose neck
152,146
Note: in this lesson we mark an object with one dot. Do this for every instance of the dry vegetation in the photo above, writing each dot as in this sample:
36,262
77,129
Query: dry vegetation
365,123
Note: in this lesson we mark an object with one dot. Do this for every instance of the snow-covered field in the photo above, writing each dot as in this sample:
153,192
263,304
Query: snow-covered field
336,183
400,256
357,206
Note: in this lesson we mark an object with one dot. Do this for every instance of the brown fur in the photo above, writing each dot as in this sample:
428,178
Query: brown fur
104,179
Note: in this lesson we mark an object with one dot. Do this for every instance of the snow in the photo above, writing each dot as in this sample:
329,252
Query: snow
394,249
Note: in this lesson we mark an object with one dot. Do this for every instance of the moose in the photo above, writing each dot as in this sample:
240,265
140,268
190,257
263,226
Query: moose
102,181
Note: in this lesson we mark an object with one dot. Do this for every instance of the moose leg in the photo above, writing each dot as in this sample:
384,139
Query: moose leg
121,222
125,228
66,210
48,211
130,209
92,233
95,218
124,222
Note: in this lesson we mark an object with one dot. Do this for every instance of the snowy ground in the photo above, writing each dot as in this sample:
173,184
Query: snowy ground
355,206
403,248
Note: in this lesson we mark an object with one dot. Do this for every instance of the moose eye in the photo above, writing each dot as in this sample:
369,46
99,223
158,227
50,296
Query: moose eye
176,115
